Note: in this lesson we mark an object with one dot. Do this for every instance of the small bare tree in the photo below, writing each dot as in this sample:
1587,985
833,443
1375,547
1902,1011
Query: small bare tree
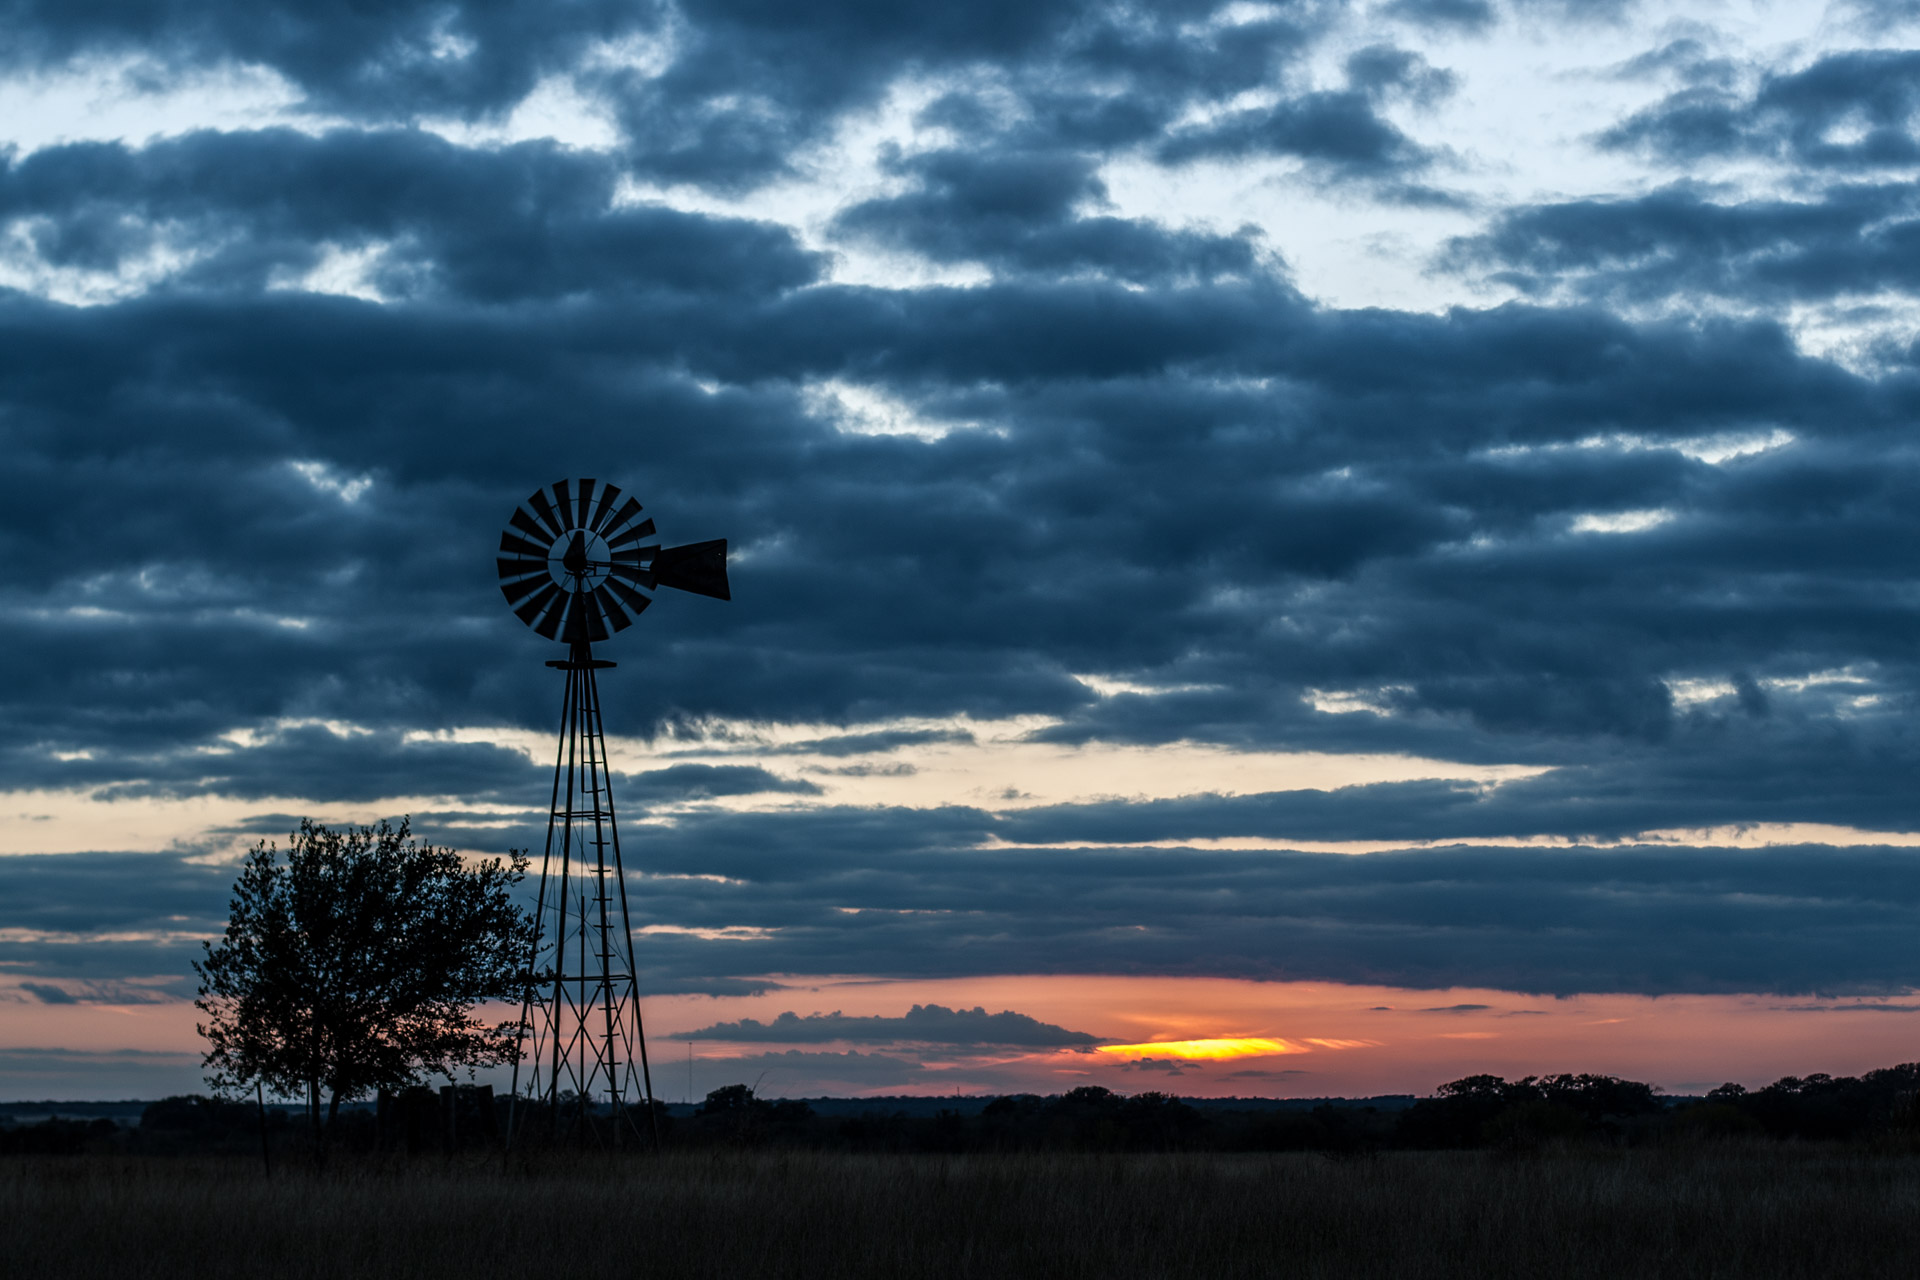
355,963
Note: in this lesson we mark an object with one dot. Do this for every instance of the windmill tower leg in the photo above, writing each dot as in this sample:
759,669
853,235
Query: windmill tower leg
581,1037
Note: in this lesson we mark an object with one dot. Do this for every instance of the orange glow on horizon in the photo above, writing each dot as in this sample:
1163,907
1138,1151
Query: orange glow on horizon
1212,1050
1289,1039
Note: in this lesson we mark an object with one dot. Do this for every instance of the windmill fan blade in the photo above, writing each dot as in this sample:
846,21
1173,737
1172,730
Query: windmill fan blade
521,547
642,530
583,619
514,591
563,501
611,609
584,501
636,555
635,601
699,567
608,492
628,510
531,609
633,573
550,623
514,568
529,526
544,509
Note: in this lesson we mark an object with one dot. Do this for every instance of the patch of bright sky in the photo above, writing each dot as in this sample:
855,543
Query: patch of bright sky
557,108
867,411
346,272
327,479
1717,449
1846,692
22,268
46,820
1864,334
1620,521
998,765
1531,97
136,100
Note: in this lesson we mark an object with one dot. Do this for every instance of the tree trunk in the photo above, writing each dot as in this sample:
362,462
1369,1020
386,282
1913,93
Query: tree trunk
313,1120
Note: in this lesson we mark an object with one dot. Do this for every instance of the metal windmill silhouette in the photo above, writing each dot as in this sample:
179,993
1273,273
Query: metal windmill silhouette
578,562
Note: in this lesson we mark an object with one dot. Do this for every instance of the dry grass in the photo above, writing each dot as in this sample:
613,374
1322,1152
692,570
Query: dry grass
1756,1212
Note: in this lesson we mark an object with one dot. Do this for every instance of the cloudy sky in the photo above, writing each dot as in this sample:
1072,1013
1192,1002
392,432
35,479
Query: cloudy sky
1381,531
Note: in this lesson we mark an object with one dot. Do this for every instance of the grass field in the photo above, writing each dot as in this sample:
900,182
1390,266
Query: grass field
1760,1211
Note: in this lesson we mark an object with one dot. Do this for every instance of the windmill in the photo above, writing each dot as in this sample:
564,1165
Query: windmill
580,561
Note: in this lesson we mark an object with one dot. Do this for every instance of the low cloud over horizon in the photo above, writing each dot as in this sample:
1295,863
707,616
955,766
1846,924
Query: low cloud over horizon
922,1024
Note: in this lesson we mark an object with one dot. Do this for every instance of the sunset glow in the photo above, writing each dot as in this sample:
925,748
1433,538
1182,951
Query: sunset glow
1203,1050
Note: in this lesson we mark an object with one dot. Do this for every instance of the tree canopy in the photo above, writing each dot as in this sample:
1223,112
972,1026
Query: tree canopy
355,962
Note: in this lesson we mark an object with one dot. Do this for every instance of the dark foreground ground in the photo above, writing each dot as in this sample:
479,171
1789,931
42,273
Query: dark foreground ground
1740,1210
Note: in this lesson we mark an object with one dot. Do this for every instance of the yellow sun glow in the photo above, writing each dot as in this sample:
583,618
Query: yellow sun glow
1203,1049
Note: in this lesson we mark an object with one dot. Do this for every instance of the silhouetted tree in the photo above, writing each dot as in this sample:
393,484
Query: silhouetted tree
737,1113
354,963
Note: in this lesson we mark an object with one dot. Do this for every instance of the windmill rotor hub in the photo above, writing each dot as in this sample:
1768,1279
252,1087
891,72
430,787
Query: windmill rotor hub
580,562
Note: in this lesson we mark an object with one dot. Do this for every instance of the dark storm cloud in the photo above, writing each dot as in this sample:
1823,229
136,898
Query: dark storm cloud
1691,60
823,1071
1846,111
728,93
752,83
493,226
1850,239
414,55
103,992
908,894
1341,130
922,1024
716,92
1841,782
748,90
69,1075
359,767
1023,213
1219,487
75,927
1641,919
696,781
853,744
117,893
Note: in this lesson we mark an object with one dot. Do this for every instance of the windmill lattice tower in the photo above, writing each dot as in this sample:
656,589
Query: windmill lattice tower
578,562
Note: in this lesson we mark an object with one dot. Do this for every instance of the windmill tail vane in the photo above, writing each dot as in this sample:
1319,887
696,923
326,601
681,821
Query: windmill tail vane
579,561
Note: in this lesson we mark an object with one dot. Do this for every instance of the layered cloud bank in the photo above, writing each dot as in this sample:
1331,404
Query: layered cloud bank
1185,466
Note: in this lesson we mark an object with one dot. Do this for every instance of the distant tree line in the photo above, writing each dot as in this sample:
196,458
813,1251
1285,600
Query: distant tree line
1477,1112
